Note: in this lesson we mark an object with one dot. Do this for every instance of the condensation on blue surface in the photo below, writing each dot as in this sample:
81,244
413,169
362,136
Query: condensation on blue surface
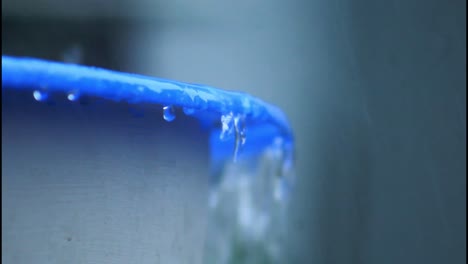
205,103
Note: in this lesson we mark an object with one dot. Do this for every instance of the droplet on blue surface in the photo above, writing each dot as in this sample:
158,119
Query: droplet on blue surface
169,113
40,96
73,96
188,111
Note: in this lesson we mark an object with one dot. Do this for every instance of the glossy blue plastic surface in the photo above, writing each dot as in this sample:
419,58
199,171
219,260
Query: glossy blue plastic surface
264,121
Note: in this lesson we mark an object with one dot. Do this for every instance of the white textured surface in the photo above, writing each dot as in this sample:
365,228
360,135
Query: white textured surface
79,187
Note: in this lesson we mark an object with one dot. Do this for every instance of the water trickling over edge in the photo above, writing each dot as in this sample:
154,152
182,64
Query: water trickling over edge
251,146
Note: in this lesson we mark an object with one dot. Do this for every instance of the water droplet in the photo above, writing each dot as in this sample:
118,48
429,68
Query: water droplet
188,111
169,113
74,54
73,96
40,96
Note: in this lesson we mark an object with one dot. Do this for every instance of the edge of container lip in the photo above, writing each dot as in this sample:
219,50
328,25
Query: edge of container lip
33,73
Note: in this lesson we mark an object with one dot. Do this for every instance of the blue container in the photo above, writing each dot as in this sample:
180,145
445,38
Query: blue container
108,167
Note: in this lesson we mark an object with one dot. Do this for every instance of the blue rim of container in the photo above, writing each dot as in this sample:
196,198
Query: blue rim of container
264,122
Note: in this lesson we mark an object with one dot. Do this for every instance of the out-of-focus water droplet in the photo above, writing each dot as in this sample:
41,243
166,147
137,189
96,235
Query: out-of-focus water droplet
40,96
74,54
188,111
169,113
73,96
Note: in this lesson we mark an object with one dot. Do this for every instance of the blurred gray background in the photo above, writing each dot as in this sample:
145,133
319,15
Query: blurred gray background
375,92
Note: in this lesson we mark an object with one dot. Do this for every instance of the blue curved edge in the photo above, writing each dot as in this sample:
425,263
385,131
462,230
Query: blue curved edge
31,73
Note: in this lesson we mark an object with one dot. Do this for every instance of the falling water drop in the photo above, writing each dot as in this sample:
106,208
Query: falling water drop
73,96
169,113
40,96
